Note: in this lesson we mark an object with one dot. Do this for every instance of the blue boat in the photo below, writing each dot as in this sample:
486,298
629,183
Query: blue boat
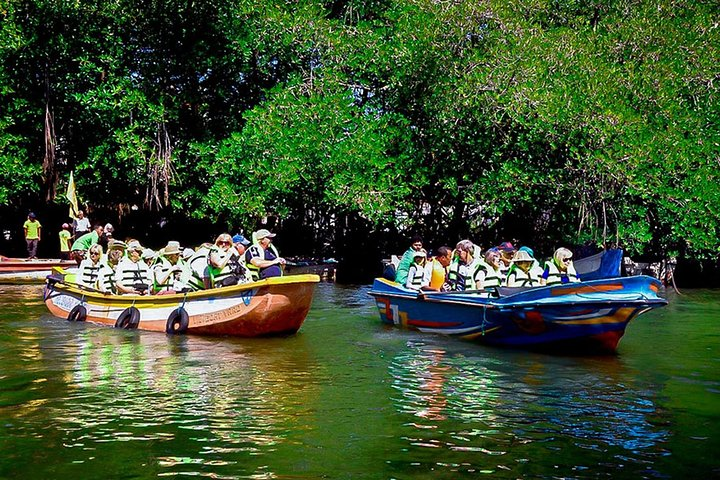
587,317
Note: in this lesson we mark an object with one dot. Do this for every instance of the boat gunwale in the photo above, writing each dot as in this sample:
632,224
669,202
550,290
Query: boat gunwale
91,295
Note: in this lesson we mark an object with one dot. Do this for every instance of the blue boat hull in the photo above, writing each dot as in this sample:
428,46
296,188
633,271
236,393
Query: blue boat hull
586,316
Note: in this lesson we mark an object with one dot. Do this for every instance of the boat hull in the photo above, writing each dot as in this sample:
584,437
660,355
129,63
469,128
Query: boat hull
18,270
268,307
587,316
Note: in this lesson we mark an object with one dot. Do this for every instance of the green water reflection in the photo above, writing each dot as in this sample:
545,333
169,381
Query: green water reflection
350,398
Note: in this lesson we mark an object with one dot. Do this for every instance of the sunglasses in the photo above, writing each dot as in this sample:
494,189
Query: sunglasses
94,254
224,243
567,260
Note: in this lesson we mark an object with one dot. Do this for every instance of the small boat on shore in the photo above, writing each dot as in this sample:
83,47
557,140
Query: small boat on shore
21,270
584,317
275,306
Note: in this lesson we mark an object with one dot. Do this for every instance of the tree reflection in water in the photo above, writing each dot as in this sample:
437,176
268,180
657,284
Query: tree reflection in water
520,405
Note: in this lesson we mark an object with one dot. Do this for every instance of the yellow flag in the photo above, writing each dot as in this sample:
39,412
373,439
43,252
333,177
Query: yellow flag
72,197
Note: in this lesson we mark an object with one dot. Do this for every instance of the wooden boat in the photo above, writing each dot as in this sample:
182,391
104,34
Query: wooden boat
272,306
586,317
20,270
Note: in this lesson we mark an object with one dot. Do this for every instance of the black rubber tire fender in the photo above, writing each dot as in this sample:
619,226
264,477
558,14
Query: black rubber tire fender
129,319
177,322
77,314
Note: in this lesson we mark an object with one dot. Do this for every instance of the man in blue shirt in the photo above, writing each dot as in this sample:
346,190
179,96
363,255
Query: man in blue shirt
263,258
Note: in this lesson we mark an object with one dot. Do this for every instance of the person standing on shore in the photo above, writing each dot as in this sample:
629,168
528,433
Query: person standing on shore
33,231
65,235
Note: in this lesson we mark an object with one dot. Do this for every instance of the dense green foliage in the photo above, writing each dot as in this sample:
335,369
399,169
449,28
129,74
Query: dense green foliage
543,121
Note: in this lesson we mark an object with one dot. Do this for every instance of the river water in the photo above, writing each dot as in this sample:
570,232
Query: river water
350,398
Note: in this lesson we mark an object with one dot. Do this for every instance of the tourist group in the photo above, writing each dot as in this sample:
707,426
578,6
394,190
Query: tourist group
467,267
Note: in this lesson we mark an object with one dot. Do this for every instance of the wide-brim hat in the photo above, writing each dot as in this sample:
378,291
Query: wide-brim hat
134,245
419,253
522,256
263,233
172,248
117,245
148,253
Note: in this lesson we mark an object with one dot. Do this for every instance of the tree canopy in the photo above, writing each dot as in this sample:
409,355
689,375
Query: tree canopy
544,121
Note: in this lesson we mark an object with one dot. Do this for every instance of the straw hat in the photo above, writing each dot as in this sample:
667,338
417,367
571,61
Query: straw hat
116,245
522,256
263,233
172,248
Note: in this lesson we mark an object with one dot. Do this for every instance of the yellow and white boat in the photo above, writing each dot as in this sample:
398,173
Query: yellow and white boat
272,306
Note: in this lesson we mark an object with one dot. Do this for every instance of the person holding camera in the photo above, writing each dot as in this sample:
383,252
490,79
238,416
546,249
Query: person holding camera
225,264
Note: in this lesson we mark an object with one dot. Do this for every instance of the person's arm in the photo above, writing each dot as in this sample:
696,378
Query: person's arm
544,276
262,263
479,279
39,232
161,277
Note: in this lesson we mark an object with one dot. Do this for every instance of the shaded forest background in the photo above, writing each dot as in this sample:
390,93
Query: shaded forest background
347,126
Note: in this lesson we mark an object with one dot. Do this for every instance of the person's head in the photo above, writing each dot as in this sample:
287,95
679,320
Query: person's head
507,252
522,260
81,214
562,258
31,216
465,249
224,241
65,226
172,252
416,243
97,228
264,237
108,229
419,257
116,250
134,250
444,256
149,256
240,242
492,257
95,252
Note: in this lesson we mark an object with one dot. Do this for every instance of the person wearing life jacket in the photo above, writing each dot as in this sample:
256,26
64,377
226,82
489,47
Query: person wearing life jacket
507,252
523,272
169,269
88,271
439,268
416,245
560,269
464,262
416,278
198,278
109,263
132,275
224,263
262,258
487,274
